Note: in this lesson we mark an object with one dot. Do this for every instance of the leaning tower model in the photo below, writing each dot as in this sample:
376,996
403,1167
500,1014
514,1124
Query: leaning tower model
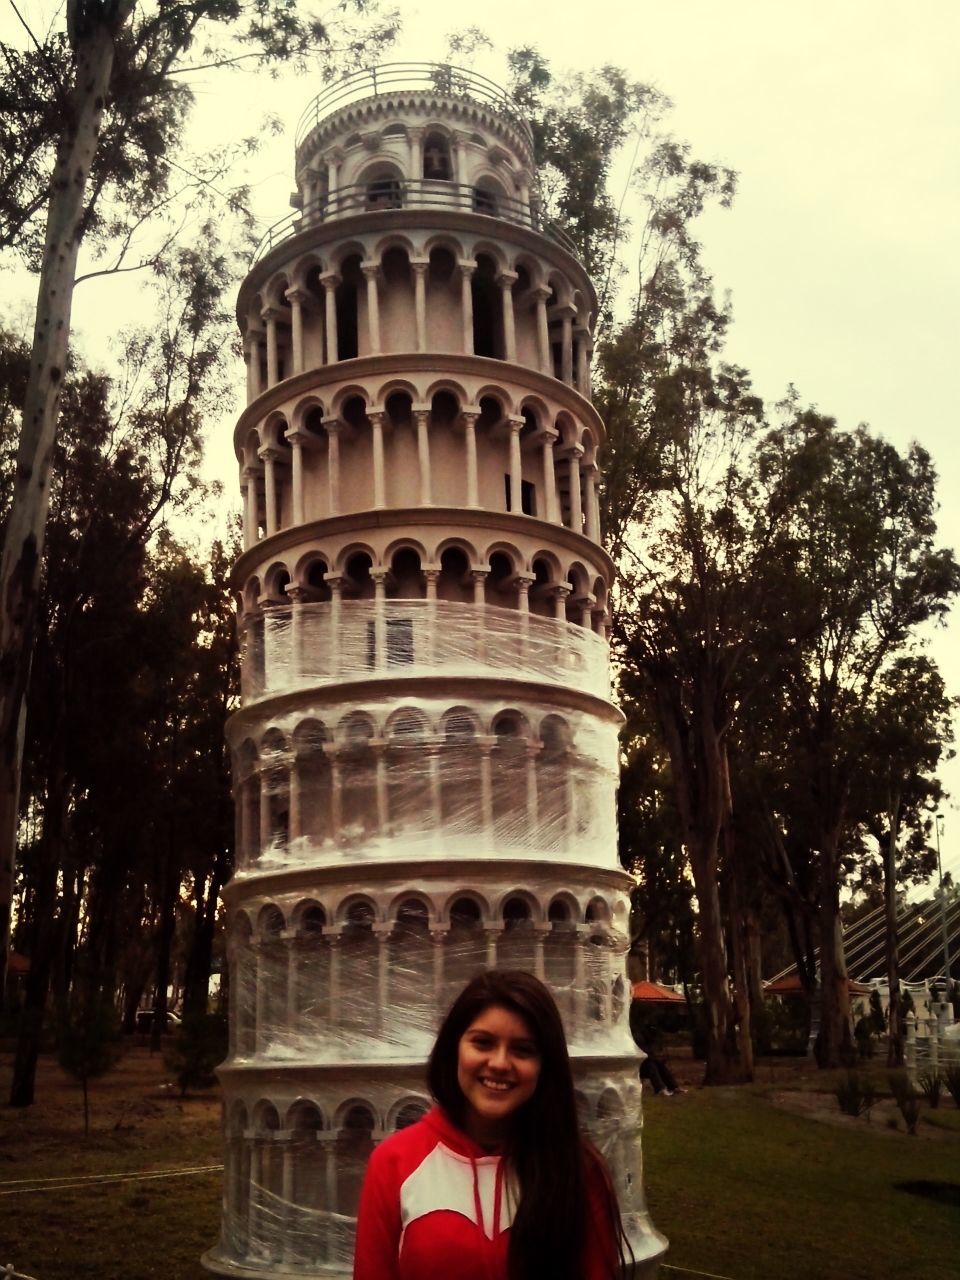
425,759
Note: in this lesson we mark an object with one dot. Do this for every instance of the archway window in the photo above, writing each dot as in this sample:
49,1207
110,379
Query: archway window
385,193
436,158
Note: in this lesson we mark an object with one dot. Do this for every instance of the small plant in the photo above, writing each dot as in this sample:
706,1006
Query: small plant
931,1086
951,1078
906,1098
863,1034
88,1039
855,1093
200,1047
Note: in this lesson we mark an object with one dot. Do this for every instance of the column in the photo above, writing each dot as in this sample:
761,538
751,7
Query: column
455,158
336,794
479,577
336,603
270,456
486,787
371,273
551,505
491,936
436,808
543,332
423,454
560,593
296,298
541,930
415,141
269,315
579,980
333,940
573,455
379,577
470,417
516,466
382,932
533,808
289,1208
379,486
330,282
420,266
248,483
582,334
586,603
332,428
296,440
466,304
296,806
506,280
592,505
438,938
566,349
383,809
333,158
430,577
290,938
251,358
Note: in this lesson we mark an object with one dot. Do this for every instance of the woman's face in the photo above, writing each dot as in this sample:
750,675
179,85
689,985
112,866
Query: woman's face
498,1066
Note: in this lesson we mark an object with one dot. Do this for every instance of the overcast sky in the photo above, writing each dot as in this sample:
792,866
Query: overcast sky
842,121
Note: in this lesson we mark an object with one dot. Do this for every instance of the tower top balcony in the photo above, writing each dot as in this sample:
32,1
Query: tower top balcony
433,83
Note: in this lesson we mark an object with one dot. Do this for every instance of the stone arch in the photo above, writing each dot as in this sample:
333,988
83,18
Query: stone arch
490,197
355,1124
306,411
406,1111
275,582
491,391
394,387
436,161
382,184
348,552
500,587
308,917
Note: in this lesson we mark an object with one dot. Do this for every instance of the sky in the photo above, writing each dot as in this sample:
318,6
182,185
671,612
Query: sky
842,119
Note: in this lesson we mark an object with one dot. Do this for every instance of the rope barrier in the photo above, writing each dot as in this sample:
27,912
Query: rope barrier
25,1185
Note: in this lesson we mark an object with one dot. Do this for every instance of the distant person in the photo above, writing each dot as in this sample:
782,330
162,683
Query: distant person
497,1180
653,1067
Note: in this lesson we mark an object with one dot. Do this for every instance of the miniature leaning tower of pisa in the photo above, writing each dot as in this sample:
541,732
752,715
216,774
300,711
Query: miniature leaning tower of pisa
425,759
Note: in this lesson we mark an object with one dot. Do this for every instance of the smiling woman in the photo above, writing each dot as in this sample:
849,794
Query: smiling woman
497,1180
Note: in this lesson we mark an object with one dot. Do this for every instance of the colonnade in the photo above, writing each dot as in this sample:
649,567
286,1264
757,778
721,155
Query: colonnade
346,795
383,983
261,483
262,346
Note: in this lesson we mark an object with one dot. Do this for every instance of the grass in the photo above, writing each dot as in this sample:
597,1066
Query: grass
746,1190
742,1188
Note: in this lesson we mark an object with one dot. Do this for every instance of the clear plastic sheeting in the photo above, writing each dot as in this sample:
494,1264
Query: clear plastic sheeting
307,646
349,974
425,779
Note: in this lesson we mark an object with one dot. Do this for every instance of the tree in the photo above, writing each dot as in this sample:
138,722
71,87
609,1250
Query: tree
863,576
119,62
88,1039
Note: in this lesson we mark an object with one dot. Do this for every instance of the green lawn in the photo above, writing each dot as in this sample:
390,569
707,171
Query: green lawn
742,1189
745,1190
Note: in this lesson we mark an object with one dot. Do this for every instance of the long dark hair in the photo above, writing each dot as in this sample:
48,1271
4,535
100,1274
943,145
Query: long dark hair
546,1147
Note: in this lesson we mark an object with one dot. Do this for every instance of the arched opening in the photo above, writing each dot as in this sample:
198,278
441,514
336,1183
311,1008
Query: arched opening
487,197
454,582
464,946
406,580
308,1184
517,943
461,793
499,586
411,969
437,166
347,299
510,784
383,190
487,309
353,1150
409,1114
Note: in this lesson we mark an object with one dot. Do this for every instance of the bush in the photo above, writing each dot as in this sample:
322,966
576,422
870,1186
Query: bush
906,1098
951,1078
782,1027
931,1086
199,1048
863,1034
88,1039
855,1093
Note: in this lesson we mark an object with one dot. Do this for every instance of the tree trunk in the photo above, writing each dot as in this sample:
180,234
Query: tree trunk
23,543
836,1036
42,949
894,1011
168,920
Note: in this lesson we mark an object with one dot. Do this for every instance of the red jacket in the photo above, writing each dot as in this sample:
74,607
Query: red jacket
435,1205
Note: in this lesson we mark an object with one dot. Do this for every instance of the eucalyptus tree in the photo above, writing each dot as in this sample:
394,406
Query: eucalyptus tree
94,120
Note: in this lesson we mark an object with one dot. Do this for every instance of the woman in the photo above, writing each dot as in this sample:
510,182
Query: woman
496,1182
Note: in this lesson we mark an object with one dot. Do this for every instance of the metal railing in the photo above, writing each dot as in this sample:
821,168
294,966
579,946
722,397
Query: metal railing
404,193
403,77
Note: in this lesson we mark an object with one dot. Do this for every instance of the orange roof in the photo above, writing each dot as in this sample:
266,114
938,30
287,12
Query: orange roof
653,991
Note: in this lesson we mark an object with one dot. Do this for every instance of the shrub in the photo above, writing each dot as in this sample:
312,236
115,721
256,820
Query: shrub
88,1038
863,1034
931,1085
951,1078
199,1048
855,1093
906,1098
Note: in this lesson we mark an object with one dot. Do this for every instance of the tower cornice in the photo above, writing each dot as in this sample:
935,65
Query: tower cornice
441,362
404,517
